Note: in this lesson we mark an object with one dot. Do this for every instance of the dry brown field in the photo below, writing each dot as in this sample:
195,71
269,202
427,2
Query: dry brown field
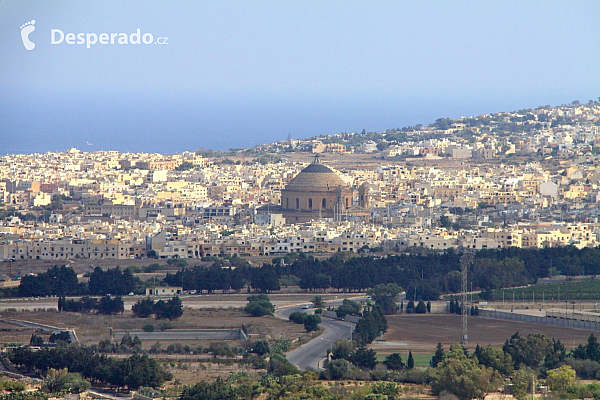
421,333
91,328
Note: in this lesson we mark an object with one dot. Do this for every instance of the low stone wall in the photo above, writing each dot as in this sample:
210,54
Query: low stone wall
183,334
350,318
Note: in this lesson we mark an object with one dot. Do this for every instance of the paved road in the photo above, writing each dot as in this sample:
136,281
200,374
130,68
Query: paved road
191,301
310,354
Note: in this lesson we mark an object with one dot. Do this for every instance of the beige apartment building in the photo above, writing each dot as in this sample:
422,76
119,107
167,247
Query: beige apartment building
65,249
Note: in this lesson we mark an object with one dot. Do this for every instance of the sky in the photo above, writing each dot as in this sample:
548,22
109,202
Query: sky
236,74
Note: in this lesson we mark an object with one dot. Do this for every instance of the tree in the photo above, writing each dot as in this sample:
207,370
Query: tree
410,362
261,347
177,262
497,359
385,295
389,389
259,305
311,322
114,281
184,166
445,222
36,340
364,358
560,379
318,302
58,281
143,308
463,377
372,324
298,317
530,350
348,307
338,369
394,362
592,349
111,306
421,308
343,349
522,381
280,366
438,356
60,337
61,380
265,279
555,356
205,390
428,306
173,308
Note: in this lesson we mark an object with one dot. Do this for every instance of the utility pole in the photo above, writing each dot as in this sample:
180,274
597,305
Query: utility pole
465,262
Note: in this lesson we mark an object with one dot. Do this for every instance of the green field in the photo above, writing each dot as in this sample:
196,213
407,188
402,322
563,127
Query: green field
565,291
421,360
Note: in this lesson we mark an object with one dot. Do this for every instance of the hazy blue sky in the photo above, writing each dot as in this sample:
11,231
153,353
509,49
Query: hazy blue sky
239,73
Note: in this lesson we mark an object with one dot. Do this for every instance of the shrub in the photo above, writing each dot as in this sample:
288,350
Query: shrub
257,310
148,328
298,317
261,347
311,323
259,305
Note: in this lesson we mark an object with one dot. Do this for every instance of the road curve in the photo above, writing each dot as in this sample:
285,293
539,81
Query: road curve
310,354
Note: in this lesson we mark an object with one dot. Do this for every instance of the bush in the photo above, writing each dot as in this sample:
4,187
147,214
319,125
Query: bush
298,317
311,323
319,311
421,308
259,305
165,325
280,366
148,328
62,336
261,347
257,310
338,369
12,386
585,369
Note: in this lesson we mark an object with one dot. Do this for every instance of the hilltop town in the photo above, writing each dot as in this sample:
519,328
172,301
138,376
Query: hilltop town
523,179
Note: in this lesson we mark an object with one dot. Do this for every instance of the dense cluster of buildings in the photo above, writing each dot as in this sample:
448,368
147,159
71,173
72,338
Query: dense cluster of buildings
534,189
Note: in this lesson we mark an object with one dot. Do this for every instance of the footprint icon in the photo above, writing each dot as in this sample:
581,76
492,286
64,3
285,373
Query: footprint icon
26,29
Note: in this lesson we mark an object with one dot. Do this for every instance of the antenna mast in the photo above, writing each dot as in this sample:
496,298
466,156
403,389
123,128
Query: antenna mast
465,262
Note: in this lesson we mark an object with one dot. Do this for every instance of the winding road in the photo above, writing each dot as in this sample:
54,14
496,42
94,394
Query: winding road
310,354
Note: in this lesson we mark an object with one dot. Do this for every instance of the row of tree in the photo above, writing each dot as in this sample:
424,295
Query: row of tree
425,275
62,281
106,305
131,372
264,279
429,274
170,309
310,322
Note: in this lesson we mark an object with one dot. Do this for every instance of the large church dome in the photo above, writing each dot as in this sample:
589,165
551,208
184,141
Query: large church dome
316,175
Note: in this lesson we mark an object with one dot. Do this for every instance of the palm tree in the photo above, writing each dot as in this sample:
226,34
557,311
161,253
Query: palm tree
318,302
